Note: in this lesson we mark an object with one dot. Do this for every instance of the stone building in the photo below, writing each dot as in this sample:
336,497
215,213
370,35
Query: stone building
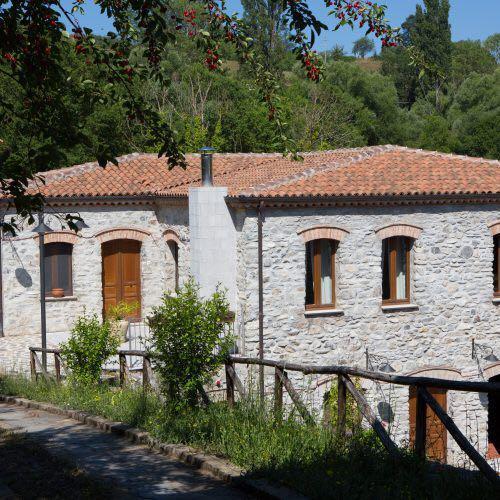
379,255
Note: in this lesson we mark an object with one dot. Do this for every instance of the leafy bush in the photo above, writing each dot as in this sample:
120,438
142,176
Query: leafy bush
189,342
122,310
91,343
330,403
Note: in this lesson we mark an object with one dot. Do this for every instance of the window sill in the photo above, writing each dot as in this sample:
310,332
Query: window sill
67,298
399,307
323,312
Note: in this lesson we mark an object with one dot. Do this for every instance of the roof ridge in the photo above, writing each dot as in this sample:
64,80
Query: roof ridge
365,152
476,159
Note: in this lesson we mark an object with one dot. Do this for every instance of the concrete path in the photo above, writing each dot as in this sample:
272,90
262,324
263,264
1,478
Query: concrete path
133,469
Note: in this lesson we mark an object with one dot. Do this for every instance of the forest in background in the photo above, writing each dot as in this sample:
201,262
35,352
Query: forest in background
429,93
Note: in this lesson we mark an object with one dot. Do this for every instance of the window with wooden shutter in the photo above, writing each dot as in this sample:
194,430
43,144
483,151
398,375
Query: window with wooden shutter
496,265
396,270
320,273
58,268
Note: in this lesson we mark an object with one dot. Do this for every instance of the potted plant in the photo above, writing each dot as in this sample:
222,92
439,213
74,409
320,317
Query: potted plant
118,315
57,292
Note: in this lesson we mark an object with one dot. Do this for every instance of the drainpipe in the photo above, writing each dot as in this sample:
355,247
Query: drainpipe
261,298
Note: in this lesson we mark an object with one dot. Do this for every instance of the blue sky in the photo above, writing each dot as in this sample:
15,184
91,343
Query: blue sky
469,20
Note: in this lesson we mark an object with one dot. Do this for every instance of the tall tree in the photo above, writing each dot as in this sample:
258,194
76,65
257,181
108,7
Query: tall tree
268,28
396,63
363,46
492,45
431,37
468,57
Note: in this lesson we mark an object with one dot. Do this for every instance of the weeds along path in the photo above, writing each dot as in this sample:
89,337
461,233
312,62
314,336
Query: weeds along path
130,470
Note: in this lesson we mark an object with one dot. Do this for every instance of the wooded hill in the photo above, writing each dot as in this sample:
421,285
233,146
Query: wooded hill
429,93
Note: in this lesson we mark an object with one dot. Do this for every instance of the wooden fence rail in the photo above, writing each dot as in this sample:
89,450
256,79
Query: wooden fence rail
345,385
37,367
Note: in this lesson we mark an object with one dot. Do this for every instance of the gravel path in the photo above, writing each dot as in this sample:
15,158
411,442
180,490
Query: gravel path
131,468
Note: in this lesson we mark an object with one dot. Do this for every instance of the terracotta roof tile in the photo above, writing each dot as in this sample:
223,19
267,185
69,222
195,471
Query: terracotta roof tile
377,170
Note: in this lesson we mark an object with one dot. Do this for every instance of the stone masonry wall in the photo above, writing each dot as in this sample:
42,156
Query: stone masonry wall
451,285
20,266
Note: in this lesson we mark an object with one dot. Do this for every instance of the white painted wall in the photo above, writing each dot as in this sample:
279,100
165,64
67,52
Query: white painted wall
213,241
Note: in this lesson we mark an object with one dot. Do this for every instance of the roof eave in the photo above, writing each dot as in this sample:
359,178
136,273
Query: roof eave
365,200
109,199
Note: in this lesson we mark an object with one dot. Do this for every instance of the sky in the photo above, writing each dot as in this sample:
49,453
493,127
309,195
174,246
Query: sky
474,20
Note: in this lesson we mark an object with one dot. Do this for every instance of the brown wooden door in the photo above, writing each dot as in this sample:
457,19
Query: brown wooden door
436,436
121,274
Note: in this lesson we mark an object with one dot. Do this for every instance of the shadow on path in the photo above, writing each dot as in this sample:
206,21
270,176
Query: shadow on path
141,472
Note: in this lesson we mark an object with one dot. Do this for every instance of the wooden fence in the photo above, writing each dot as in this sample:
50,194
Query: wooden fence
345,384
123,370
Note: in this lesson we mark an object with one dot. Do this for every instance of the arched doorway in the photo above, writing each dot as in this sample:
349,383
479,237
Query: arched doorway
494,421
435,434
121,274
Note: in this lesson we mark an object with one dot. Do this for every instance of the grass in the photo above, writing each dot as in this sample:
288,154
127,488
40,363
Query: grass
30,471
308,458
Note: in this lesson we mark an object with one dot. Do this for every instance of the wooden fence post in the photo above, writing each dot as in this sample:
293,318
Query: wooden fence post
301,407
461,440
146,373
32,365
368,413
57,365
278,393
341,405
229,385
420,425
123,368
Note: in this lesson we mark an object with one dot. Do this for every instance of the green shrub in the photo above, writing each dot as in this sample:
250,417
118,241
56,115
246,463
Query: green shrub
189,342
121,310
330,404
90,345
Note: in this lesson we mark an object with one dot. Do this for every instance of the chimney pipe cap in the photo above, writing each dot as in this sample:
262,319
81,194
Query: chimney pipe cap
207,150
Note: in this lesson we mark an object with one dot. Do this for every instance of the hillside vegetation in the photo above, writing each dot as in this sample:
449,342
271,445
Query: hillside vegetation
429,93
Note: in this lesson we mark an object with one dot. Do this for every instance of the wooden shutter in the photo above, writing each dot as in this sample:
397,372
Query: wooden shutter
58,267
130,251
111,286
121,273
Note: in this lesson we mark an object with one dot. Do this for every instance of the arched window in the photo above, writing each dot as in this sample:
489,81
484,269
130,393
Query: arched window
397,242
58,269
174,248
320,273
396,269
496,265
173,243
